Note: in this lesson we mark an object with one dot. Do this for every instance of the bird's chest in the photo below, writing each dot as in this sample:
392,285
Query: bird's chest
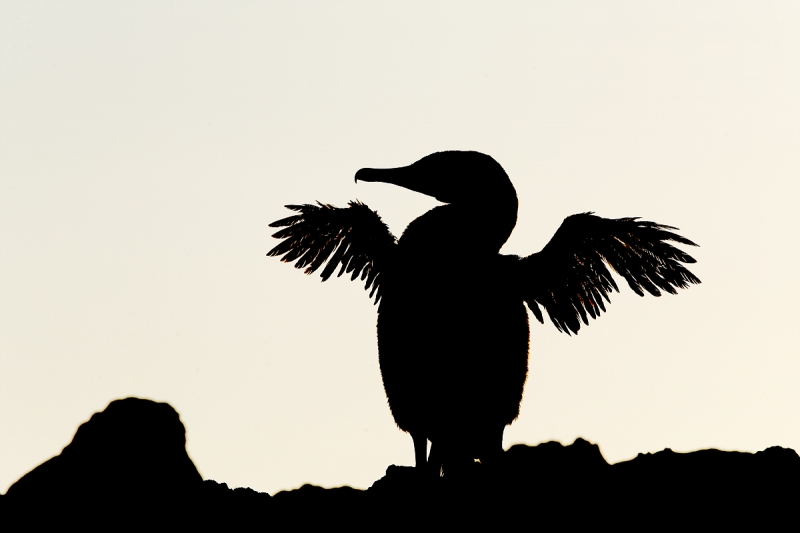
450,304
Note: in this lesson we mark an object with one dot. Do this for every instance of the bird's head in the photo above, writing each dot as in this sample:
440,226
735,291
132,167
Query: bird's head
450,177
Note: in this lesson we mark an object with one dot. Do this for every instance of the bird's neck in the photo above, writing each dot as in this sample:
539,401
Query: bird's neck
466,227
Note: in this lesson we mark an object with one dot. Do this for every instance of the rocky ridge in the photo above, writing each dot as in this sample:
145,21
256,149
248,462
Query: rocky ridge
128,467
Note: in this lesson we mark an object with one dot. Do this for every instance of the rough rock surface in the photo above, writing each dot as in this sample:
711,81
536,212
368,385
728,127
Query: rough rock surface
130,456
132,445
127,467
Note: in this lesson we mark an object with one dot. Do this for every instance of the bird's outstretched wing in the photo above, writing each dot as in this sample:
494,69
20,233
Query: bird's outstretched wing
353,238
569,277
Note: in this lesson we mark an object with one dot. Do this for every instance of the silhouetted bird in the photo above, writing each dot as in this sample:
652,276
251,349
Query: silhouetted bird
452,326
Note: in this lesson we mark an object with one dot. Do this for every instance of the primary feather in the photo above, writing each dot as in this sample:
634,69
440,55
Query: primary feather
354,238
570,278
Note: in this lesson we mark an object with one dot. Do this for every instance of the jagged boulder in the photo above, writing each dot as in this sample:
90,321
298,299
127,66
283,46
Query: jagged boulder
132,455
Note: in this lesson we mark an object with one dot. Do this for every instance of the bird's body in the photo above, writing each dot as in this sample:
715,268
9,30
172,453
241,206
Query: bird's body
453,348
452,326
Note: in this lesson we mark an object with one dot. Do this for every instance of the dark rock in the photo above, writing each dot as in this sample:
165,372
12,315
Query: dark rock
127,468
722,487
132,446
131,456
215,506
575,486
312,506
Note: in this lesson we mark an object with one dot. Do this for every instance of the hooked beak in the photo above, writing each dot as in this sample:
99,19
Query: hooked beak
401,176
383,175
367,174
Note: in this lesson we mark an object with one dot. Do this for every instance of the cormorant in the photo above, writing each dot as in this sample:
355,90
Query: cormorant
452,327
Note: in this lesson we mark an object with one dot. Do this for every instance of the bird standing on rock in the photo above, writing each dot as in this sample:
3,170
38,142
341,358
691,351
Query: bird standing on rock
452,327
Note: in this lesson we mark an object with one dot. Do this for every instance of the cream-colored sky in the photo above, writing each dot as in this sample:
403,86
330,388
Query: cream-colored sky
146,146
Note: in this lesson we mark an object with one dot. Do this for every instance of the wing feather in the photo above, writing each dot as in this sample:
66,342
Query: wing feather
570,277
353,238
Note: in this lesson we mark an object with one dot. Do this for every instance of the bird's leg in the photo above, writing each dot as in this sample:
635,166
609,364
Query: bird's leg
452,461
491,446
434,462
420,449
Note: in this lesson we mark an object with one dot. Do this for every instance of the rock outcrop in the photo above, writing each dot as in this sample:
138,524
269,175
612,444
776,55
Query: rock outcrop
127,467
125,460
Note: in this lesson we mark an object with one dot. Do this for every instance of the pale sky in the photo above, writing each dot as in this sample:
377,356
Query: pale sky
146,146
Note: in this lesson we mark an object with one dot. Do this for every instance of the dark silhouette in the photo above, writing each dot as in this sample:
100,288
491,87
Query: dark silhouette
127,469
452,326
130,455
131,446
